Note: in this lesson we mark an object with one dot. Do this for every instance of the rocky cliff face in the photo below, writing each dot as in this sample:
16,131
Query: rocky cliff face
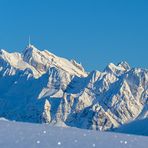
37,86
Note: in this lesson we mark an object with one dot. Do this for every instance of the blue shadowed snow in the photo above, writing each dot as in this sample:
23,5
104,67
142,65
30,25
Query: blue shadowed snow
138,127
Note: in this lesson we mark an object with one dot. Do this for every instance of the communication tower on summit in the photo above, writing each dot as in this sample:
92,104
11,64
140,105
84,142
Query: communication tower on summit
29,42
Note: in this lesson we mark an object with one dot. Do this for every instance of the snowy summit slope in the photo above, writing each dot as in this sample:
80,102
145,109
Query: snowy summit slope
38,86
22,135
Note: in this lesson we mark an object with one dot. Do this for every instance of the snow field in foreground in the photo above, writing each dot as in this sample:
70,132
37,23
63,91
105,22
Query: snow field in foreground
25,135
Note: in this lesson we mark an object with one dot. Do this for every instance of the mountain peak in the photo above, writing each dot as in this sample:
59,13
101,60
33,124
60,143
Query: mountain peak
124,64
29,49
11,58
117,69
42,60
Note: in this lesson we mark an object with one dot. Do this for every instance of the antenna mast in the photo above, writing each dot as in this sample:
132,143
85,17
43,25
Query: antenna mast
29,43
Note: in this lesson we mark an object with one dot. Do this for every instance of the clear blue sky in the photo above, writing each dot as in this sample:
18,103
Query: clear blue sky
94,32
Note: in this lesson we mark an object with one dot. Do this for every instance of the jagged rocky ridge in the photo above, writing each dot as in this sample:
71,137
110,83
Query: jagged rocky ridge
37,86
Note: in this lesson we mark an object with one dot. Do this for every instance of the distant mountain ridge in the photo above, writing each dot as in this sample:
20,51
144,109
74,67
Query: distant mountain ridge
38,86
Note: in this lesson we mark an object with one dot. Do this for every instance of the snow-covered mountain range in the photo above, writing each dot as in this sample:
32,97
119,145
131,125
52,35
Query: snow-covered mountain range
38,86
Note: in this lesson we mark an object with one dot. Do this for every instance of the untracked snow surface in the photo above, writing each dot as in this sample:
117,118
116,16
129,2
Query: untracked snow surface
26,135
138,127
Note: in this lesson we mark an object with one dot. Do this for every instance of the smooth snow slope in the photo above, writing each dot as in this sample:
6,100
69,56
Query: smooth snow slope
138,127
25,135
